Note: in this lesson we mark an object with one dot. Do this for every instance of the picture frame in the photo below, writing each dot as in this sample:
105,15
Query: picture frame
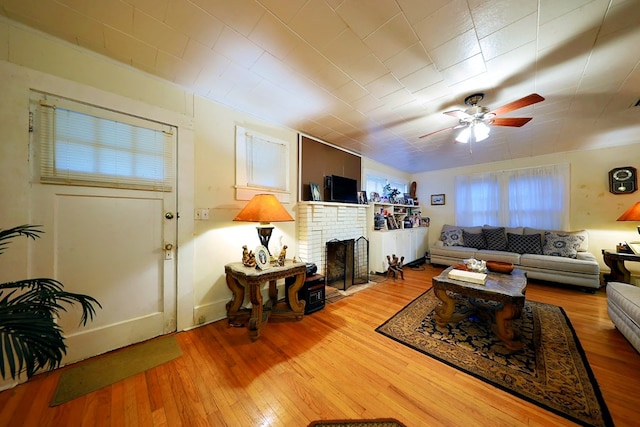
362,198
262,257
635,247
437,199
315,191
391,223
375,197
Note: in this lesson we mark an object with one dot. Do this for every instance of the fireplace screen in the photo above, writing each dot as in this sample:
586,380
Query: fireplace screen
347,262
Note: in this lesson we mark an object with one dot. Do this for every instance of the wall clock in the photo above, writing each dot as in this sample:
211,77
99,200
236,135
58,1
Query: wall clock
623,180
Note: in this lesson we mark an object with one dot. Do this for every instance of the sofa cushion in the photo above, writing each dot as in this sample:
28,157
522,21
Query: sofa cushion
496,238
524,244
561,244
474,240
584,246
560,264
452,237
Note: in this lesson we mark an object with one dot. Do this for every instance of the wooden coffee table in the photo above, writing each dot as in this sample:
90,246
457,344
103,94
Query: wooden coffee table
506,291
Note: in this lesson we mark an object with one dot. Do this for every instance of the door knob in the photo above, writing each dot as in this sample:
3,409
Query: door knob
168,247
168,215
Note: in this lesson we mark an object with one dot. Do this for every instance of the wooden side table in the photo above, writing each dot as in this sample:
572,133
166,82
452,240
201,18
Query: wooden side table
615,261
240,279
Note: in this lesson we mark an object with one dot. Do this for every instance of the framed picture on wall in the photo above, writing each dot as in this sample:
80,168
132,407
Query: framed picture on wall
315,192
437,199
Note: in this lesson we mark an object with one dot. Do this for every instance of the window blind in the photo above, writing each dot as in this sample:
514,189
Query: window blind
87,145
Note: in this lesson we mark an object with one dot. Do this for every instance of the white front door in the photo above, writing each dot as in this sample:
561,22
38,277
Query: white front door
116,245
110,245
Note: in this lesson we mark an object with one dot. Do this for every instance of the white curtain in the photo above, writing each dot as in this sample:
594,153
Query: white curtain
477,199
533,197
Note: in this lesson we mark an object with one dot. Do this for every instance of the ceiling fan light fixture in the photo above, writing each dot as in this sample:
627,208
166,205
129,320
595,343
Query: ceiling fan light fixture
464,135
476,130
481,131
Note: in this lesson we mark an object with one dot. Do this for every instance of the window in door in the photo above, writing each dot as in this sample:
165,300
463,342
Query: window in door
81,144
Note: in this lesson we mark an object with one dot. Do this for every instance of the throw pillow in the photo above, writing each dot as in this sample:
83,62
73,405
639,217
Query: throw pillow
524,244
452,237
561,244
496,238
474,240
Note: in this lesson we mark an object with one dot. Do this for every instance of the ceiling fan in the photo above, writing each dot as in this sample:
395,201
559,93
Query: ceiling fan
476,119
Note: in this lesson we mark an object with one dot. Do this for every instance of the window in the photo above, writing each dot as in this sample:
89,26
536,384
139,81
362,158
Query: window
262,164
532,197
80,144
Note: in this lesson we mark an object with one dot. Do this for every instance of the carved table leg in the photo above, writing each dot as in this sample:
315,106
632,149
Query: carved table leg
237,299
503,327
445,311
297,306
256,320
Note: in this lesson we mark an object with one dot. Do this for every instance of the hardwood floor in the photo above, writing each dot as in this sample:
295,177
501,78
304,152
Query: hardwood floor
332,364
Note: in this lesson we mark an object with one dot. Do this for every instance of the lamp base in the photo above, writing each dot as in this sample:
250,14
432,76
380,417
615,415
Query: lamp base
264,234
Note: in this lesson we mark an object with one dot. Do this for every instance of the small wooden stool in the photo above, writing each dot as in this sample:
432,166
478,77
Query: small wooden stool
395,267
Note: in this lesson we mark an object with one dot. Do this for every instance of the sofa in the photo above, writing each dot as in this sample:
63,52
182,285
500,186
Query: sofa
623,306
550,255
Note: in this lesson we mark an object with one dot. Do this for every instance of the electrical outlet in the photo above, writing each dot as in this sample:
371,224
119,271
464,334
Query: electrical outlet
198,214
205,214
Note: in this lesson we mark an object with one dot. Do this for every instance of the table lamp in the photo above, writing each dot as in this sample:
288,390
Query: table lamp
632,214
264,208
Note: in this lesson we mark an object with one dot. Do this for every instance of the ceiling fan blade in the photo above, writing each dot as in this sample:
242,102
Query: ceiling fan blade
458,114
511,121
519,103
442,130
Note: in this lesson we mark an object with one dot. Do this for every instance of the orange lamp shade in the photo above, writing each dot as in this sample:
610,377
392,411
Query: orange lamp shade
632,214
264,208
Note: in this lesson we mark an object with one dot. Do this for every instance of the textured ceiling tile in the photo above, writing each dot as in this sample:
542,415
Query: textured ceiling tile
408,61
384,86
114,13
552,9
156,33
510,37
492,16
365,17
422,78
345,49
242,15
444,24
238,48
284,10
366,69
273,36
464,70
156,8
416,10
455,50
317,23
184,17
128,49
350,91
575,25
393,37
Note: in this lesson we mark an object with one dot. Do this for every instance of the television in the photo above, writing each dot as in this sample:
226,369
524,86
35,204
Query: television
341,189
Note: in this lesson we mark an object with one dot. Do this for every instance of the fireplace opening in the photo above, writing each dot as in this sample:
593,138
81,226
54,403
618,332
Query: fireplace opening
347,262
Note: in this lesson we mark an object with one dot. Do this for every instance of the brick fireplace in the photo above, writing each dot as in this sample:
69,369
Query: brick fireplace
320,222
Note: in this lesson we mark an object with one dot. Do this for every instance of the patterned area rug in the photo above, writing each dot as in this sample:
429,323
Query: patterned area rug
551,370
385,422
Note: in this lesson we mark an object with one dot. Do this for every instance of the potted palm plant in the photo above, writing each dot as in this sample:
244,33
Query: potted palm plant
30,338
